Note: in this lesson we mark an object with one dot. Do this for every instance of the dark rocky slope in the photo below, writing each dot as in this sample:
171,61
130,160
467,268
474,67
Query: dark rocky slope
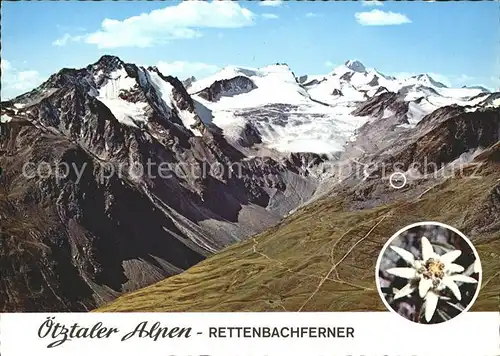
227,87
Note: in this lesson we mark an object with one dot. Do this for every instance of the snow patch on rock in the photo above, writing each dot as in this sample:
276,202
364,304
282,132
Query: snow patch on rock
125,112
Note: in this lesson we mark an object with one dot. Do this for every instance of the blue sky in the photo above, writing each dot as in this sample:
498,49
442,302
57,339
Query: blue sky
457,42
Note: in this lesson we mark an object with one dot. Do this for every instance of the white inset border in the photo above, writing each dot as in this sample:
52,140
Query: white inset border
406,228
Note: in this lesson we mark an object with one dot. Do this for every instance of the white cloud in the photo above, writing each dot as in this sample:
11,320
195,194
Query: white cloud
5,65
26,77
272,3
329,64
15,82
463,78
459,80
64,39
381,18
270,16
185,69
181,21
372,3
454,80
312,14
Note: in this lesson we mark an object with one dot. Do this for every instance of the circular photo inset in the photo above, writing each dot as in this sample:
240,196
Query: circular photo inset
428,273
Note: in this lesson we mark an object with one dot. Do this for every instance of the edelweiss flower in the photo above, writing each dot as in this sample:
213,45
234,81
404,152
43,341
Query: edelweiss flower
430,276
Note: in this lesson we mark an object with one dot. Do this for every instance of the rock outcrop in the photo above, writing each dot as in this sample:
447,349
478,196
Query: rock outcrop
227,87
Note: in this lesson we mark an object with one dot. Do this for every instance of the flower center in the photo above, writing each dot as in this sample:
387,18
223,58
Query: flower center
434,269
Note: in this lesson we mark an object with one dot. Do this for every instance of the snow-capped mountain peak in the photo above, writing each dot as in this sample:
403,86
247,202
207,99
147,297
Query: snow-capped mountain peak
305,114
355,66
427,80
189,81
112,92
107,64
135,96
243,87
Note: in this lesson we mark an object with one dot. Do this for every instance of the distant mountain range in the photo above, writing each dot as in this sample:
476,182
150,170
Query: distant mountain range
228,157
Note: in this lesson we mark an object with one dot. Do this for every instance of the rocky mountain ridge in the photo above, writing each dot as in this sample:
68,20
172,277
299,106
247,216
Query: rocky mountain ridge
108,224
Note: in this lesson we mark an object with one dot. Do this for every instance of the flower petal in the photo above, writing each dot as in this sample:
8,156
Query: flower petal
418,263
462,278
423,287
477,266
406,290
406,255
447,281
431,301
454,268
427,250
403,272
451,256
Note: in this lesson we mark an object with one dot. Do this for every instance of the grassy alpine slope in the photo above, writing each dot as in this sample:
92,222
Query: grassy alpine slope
322,258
